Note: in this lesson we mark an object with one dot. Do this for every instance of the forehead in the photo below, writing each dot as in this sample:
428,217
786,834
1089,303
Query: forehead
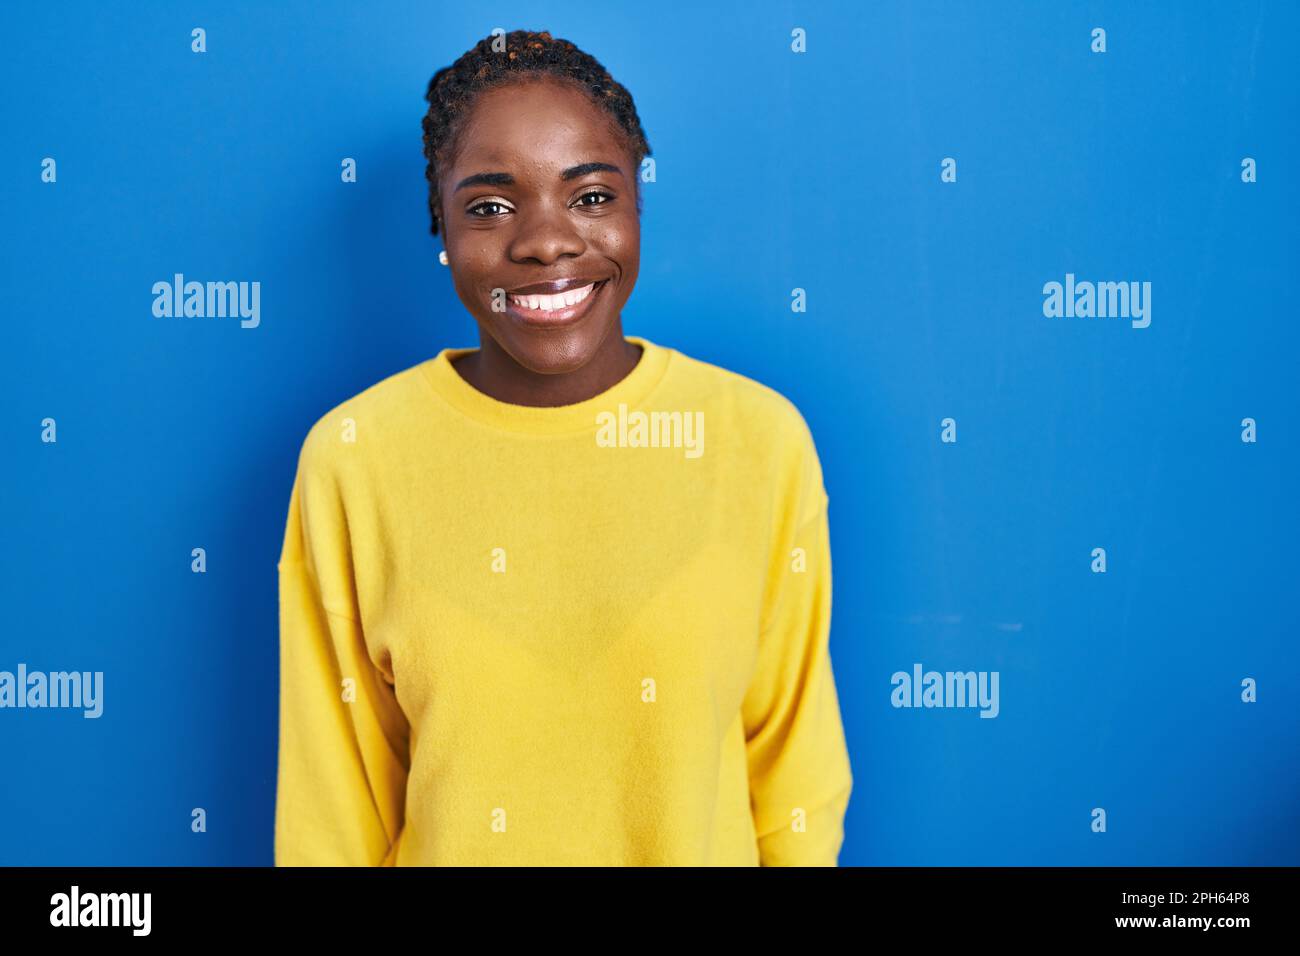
538,121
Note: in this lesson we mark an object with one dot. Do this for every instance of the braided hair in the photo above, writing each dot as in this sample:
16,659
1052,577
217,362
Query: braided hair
527,55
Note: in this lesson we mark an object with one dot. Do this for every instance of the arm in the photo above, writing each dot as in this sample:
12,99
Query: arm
343,751
800,777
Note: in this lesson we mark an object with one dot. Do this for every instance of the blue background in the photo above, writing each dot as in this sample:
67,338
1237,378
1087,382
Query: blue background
820,171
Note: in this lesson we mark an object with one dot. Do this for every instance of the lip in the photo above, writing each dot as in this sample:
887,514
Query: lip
539,319
554,286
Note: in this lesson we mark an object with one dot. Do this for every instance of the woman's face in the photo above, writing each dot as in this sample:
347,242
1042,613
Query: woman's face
540,199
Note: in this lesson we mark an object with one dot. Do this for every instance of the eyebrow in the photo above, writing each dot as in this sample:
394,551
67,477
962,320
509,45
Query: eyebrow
505,179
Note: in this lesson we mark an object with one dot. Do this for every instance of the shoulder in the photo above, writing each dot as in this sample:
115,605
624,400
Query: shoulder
746,404
352,428
763,426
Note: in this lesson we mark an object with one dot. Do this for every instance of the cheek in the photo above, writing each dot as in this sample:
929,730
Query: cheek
620,242
476,267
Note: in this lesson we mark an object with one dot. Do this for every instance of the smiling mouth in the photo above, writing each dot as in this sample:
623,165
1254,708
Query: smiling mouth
562,307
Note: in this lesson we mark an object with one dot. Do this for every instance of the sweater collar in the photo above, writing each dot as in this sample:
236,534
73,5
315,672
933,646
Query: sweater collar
631,390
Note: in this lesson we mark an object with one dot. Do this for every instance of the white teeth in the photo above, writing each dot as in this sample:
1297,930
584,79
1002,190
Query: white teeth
552,303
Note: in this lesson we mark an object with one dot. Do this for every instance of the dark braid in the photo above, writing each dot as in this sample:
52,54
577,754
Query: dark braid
454,88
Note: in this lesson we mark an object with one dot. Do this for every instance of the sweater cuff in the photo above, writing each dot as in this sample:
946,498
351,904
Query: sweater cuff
816,843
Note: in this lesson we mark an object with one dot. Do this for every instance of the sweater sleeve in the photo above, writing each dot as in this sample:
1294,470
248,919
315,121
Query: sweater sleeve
799,771
343,749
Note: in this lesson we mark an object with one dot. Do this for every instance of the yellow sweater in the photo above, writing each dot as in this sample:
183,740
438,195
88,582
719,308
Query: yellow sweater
584,635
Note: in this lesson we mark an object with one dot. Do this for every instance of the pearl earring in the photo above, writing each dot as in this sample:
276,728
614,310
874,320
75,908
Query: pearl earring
442,257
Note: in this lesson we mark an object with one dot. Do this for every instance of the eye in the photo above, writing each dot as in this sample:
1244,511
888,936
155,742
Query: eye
608,198
472,210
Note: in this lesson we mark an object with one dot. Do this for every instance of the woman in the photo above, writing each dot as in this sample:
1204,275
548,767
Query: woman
528,615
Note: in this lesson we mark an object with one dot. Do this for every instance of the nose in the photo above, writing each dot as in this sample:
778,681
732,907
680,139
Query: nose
544,235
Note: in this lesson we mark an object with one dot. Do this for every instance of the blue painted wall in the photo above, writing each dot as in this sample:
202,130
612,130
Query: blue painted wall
1119,690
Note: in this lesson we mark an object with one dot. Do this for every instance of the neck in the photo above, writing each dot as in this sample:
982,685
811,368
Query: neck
493,371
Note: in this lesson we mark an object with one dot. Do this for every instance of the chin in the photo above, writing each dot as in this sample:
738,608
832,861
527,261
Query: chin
552,351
